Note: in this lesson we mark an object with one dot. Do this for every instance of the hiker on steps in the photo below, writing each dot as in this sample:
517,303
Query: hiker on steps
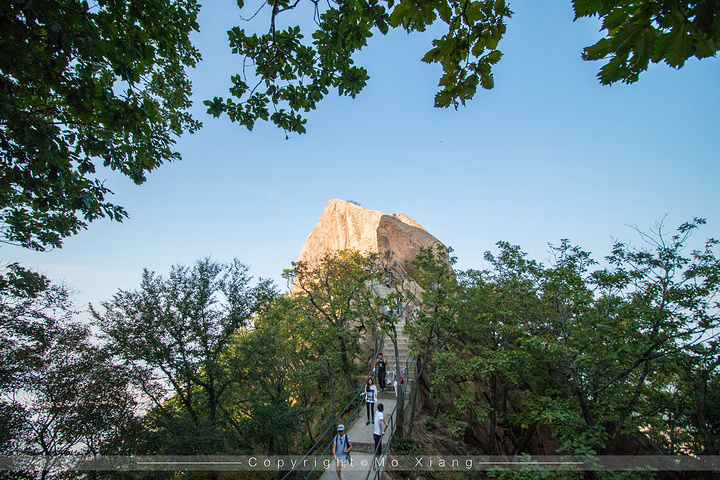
370,396
381,371
379,428
398,379
341,451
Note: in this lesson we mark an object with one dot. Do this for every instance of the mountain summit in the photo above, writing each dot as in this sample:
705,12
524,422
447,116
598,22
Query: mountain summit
396,239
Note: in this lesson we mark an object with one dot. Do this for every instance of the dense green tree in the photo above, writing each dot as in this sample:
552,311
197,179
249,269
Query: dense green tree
701,388
334,297
686,407
264,361
487,350
30,310
671,306
60,394
85,86
620,359
28,304
76,399
178,330
295,367
434,322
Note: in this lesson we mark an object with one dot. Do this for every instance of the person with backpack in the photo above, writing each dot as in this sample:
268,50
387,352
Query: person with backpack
341,451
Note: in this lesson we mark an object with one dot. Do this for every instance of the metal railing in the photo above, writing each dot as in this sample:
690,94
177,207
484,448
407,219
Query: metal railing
392,423
331,427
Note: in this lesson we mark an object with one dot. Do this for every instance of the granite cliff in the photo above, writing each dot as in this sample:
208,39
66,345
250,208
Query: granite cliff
396,239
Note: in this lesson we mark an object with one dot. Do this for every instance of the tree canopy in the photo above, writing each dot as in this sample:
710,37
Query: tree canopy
60,393
175,332
85,86
593,360
334,298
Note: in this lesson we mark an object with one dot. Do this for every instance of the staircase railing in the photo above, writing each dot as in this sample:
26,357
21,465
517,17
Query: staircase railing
392,423
331,427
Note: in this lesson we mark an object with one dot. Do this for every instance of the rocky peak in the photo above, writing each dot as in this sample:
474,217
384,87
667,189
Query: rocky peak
396,239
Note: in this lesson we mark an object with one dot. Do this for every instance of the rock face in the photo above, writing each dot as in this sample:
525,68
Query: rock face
396,239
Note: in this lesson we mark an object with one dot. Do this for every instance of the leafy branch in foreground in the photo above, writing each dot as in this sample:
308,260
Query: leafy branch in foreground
82,87
638,33
287,72
291,74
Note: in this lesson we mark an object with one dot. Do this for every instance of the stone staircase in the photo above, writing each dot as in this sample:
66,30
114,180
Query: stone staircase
360,433
403,343
389,397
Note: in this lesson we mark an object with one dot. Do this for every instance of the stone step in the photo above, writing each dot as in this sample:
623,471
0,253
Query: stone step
403,356
387,395
389,346
363,447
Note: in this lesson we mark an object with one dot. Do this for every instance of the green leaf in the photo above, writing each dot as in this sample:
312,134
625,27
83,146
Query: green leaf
617,17
399,14
494,57
473,12
444,11
487,81
383,27
679,49
215,107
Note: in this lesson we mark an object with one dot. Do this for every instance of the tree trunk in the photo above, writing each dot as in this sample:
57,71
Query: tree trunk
212,401
306,419
493,414
328,372
707,440
400,409
346,364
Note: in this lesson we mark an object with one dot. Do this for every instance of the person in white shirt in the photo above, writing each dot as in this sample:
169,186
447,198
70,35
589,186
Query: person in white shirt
379,429
370,396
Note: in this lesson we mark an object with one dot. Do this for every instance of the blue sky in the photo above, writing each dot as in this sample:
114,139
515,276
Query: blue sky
548,154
